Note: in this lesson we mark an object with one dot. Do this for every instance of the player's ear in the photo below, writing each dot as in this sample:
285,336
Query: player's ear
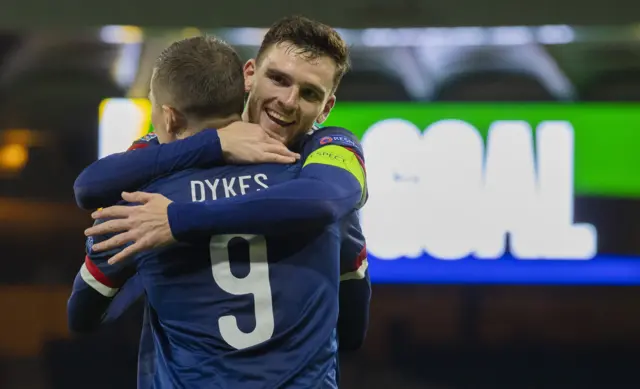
173,120
249,74
326,110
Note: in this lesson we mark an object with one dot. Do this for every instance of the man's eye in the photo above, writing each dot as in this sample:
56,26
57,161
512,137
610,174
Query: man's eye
278,80
310,95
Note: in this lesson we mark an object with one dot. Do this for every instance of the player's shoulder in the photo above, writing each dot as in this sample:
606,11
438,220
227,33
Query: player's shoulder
100,257
333,135
147,140
166,184
91,240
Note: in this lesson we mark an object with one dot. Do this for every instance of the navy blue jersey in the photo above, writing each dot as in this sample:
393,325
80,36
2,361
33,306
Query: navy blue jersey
247,311
218,305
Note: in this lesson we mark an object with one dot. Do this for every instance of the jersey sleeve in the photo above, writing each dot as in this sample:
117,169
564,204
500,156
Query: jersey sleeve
328,146
95,287
98,273
150,139
331,184
355,286
102,182
129,293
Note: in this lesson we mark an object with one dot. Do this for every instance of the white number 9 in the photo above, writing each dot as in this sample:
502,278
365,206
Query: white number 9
255,283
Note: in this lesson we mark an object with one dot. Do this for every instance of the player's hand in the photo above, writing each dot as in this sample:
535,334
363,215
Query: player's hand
146,225
244,143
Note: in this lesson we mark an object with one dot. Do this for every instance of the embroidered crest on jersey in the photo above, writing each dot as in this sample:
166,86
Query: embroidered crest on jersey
339,140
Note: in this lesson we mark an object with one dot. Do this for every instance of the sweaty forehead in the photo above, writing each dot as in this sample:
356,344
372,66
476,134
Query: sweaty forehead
287,59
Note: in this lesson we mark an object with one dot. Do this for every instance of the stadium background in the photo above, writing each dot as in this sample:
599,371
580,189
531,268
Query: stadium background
427,331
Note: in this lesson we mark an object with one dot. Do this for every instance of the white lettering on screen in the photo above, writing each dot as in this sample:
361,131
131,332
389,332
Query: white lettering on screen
445,194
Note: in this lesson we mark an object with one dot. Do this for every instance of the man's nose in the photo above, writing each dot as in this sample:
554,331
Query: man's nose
289,100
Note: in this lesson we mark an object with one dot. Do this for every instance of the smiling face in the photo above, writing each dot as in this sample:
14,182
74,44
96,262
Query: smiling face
289,90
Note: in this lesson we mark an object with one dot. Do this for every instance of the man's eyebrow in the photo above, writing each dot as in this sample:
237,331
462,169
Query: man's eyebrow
316,88
319,90
276,72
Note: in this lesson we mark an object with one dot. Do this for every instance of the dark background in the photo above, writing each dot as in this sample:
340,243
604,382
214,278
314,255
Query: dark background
351,13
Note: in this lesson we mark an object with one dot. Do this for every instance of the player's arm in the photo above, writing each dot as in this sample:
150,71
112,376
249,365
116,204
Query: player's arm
101,292
355,287
87,309
128,294
331,184
353,320
102,182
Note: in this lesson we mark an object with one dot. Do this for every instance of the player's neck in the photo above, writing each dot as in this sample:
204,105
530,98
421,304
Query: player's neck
217,123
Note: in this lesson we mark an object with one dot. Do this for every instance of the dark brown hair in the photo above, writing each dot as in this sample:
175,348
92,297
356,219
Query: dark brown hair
311,39
200,76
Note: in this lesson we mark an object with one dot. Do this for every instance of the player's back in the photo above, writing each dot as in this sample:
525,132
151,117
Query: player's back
240,311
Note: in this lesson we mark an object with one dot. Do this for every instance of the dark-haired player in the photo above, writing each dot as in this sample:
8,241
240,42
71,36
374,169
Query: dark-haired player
321,203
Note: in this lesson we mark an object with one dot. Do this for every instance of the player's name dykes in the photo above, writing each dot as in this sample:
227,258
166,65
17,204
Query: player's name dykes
226,187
